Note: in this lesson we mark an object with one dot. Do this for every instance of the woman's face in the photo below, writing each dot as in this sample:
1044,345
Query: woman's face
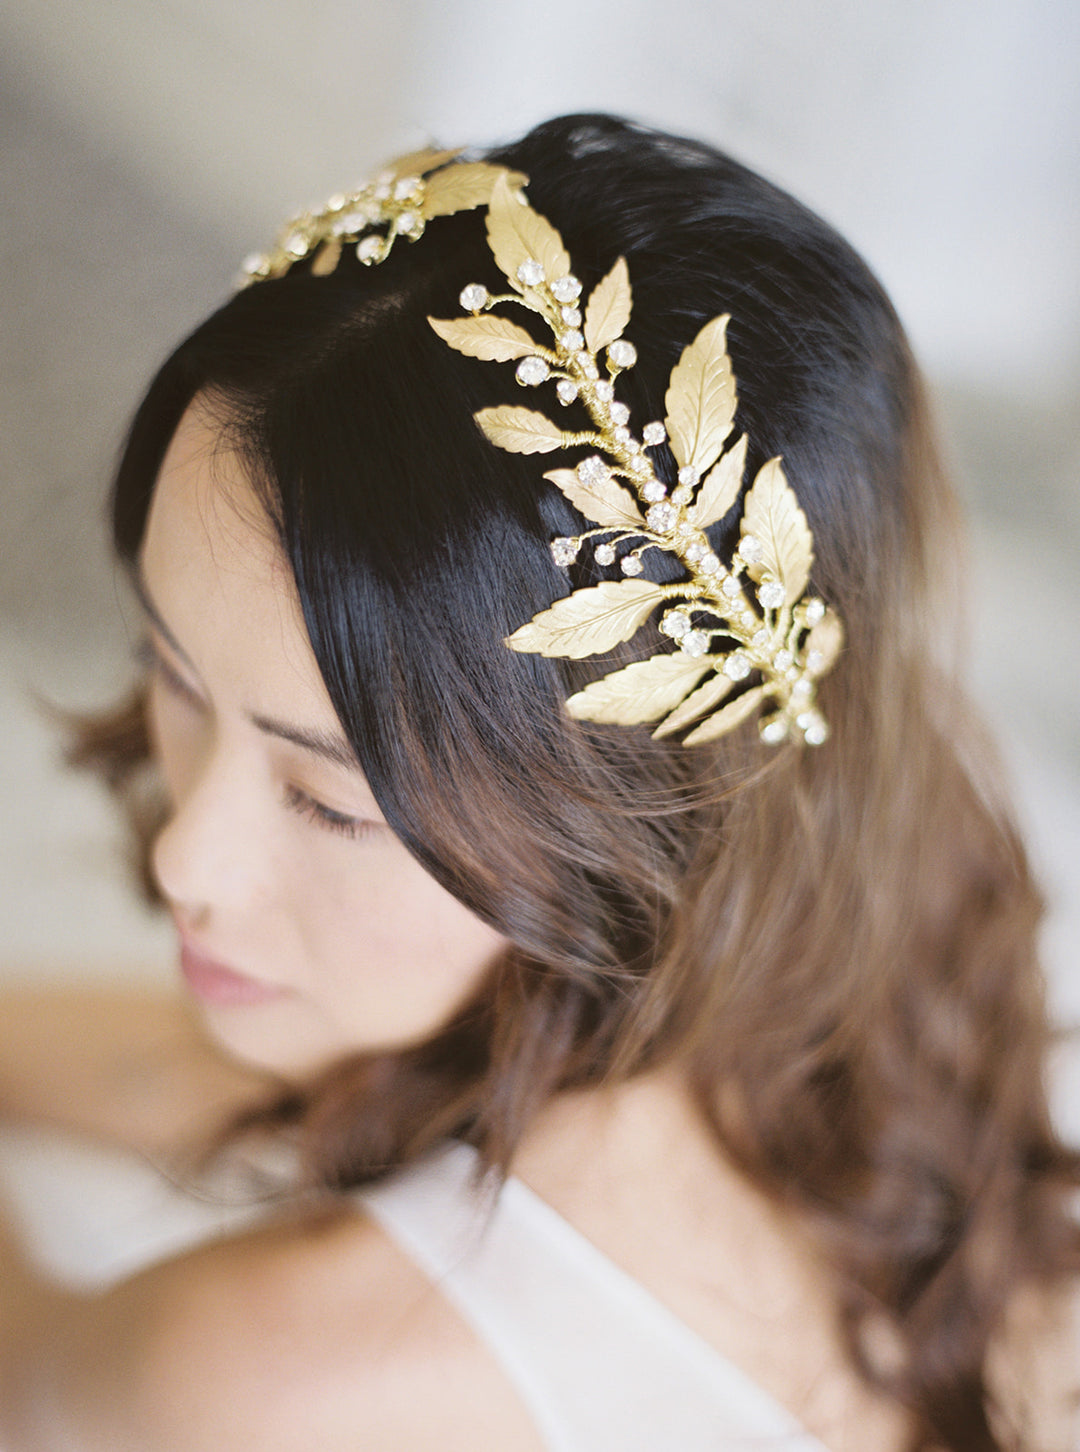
306,929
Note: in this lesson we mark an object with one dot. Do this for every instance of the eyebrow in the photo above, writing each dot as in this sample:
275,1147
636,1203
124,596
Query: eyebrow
325,744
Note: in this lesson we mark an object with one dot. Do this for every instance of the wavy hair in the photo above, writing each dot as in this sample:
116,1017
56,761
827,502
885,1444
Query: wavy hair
838,945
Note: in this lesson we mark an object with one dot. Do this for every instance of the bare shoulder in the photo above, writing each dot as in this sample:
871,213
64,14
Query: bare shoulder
1034,1369
311,1332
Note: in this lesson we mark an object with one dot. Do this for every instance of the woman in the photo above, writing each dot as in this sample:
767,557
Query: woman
720,946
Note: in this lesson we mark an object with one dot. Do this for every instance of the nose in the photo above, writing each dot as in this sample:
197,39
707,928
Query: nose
212,857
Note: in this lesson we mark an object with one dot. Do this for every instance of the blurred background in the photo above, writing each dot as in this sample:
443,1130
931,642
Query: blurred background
148,144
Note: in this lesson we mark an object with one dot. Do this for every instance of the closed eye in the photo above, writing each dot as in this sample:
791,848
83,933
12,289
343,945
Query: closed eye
326,817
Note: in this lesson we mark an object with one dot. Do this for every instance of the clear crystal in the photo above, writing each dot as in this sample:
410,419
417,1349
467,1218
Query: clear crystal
296,244
815,662
620,414
783,660
406,187
640,465
255,264
815,732
473,297
564,550
566,289
695,642
774,730
675,624
586,363
382,190
350,224
532,371
815,610
710,564
592,470
622,354
631,565
654,433
336,202
369,249
681,494
688,476
654,491
572,341
530,273
621,435
408,221
760,639
737,666
605,390
730,588
661,517
751,549
605,554
802,689
772,594
566,388
696,551
571,317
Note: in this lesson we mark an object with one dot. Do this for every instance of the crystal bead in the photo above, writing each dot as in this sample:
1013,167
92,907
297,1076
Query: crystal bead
675,624
474,297
592,470
654,491
255,264
564,550
695,642
661,517
815,732
566,289
751,549
408,222
697,551
605,390
737,666
350,224
681,494
605,554
530,273
621,435
640,465
369,249
710,564
566,388
688,476
783,660
620,414
774,730
772,594
622,354
631,565
654,433
815,610
760,639
586,363
336,202
531,371
382,190
802,689
815,662
730,588
571,317
572,341
406,187
296,245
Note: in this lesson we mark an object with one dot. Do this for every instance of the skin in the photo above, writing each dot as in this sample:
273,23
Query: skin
312,1329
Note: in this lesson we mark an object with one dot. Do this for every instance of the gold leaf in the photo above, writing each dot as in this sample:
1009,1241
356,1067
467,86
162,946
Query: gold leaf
720,487
608,310
416,163
639,692
700,400
773,516
827,636
517,234
520,430
727,718
462,187
703,699
605,502
326,259
589,621
495,339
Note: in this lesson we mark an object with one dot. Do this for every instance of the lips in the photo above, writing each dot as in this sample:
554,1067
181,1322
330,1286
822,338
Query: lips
213,982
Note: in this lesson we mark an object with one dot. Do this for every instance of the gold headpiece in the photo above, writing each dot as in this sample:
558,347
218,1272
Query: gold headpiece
772,630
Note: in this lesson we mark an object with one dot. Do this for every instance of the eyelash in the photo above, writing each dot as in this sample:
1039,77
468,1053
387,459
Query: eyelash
351,828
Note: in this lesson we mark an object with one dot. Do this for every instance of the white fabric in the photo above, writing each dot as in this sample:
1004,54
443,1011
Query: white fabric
601,1365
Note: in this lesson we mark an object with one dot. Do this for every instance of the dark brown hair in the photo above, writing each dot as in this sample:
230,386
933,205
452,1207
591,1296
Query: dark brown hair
837,944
